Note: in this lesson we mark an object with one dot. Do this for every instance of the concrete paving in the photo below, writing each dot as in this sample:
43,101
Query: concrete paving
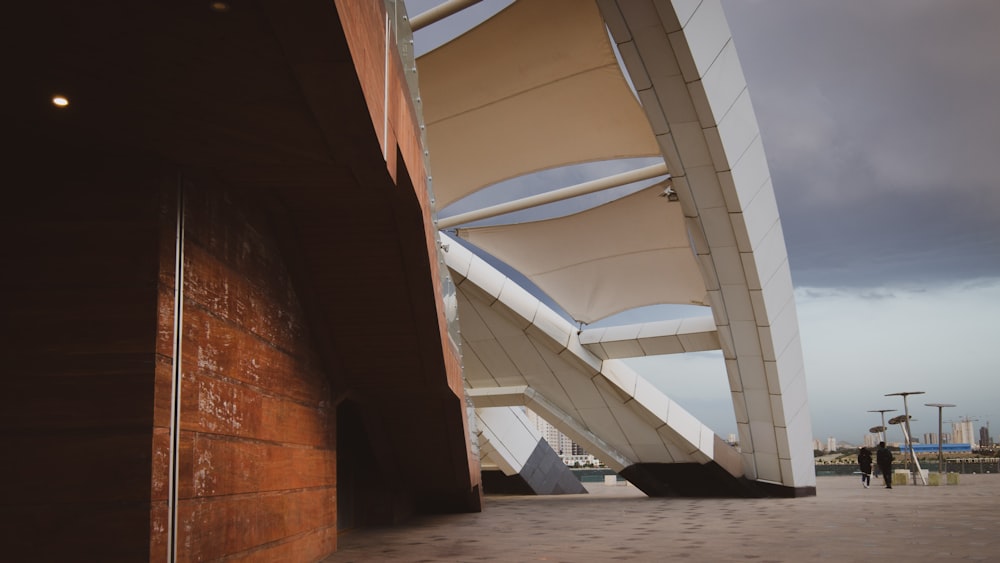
843,522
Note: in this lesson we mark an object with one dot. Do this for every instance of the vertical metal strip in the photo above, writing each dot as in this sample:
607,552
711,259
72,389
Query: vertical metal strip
385,92
175,388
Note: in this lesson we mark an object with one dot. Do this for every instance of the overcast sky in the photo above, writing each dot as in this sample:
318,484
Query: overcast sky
881,126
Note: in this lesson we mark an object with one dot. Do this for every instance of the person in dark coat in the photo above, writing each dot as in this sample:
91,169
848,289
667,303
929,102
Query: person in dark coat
884,459
865,464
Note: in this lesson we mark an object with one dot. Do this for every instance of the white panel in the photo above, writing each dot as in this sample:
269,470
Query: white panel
775,338
665,327
769,301
636,430
768,257
653,402
697,234
551,329
474,371
768,468
635,66
670,153
758,403
457,257
675,99
699,99
623,349
738,128
657,120
726,341
799,433
473,326
699,341
689,139
621,332
612,393
793,399
733,374
723,83
745,338
496,362
689,208
738,305
684,423
707,32
683,10
551,389
704,184
603,424
763,438
749,173
781,438
682,53
523,354
614,20
728,265
746,441
581,391
740,408
707,444
756,220
680,454
486,278
706,264
715,148
789,402
718,230
789,365
622,376
656,50
753,374
788,470
520,302
651,453
592,335
661,345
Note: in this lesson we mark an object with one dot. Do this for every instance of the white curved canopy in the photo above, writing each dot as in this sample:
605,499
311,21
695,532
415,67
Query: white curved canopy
628,253
551,94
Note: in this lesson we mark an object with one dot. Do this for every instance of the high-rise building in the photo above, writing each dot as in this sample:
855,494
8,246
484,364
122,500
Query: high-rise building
930,438
831,444
984,437
962,432
872,440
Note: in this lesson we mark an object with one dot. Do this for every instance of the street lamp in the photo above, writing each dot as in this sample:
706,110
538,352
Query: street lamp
906,429
883,411
939,406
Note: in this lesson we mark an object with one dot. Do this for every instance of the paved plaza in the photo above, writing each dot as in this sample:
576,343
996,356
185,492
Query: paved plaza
843,522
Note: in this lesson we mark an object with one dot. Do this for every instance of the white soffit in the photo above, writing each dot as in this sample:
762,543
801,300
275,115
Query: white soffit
628,253
536,86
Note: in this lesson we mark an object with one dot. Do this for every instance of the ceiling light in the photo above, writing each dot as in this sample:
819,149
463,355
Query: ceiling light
60,101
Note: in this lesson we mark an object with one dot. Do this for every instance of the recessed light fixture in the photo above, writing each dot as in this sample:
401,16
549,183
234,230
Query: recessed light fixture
219,6
60,101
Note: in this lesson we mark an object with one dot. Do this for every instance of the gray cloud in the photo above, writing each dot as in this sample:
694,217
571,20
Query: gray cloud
880,124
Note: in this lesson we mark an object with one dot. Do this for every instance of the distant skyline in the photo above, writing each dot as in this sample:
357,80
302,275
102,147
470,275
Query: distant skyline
880,126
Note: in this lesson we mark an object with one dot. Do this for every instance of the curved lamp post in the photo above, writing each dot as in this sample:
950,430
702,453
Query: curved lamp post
939,406
906,429
882,411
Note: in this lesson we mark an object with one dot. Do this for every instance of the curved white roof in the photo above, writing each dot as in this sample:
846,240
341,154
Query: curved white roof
537,87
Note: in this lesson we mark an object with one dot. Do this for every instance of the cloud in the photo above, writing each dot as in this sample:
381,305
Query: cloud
880,126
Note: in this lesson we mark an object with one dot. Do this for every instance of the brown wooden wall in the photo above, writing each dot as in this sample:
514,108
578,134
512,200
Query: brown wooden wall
77,334
310,279
257,447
